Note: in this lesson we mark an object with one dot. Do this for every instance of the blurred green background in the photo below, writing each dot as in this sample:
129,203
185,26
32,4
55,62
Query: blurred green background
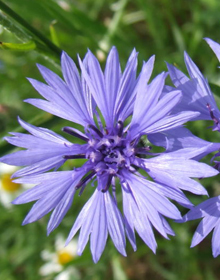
162,27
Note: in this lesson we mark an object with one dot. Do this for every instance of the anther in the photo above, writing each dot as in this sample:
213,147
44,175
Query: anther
211,114
108,184
96,130
136,141
120,128
143,150
217,165
70,131
85,180
74,157
82,189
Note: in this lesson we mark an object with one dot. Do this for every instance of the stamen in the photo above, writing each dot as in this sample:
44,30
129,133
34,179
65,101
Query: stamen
96,130
120,128
70,131
211,114
135,142
83,181
144,150
108,184
82,189
74,156
217,165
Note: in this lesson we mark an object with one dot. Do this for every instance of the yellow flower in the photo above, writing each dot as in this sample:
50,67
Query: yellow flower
8,185
55,261
8,189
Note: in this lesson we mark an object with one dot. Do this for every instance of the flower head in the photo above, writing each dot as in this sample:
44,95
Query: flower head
197,96
117,110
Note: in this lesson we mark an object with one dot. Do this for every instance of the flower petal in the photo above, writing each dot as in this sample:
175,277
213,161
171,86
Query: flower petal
115,224
216,241
203,229
112,77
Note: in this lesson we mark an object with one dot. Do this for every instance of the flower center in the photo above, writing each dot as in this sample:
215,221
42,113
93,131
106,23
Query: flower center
108,153
110,150
64,257
8,185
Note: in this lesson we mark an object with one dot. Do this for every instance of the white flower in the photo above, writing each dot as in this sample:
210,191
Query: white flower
55,261
8,189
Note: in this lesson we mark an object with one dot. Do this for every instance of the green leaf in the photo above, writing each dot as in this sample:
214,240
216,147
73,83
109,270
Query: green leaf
30,29
18,47
53,34
14,28
74,20
215,89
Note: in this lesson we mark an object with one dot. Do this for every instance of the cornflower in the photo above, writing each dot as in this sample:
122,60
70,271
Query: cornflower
117,111
198,96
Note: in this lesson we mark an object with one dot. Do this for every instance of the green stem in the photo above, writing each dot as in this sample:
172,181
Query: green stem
104,44
31,29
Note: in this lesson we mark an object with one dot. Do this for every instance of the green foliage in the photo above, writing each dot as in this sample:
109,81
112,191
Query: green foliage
18,47
35,32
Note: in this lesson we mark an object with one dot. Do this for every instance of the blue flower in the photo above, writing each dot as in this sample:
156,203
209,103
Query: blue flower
116,110
198,97
209,210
